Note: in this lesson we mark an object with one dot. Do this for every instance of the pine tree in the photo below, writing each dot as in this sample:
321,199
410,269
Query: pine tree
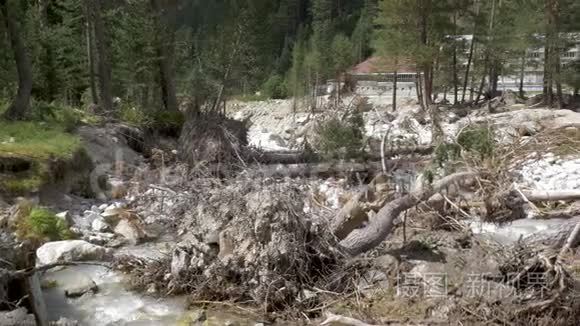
20,106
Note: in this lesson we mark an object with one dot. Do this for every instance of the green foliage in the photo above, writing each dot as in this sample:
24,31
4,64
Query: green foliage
336,139
67,117
428,175
42,225
342,53
571,75
275,87
38,143
477,139
21,185
36,140
165,122
446,152
133,115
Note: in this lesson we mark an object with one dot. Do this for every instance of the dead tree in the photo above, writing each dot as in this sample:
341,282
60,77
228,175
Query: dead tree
376,231
20,106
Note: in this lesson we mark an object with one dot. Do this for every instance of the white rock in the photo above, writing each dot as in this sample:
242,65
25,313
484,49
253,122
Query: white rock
100,225
69,250
90,216
65,216
103,207
130,231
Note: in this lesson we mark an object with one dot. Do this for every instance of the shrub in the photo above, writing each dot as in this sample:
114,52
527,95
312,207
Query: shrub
275,87
477,139
167,122
132,115
42,225
339,139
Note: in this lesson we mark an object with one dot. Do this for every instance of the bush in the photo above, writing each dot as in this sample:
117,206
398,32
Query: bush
168,123
477,139
132,115
275,87
42,225
339,139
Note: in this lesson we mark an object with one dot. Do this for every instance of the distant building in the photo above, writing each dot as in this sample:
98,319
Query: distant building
374,77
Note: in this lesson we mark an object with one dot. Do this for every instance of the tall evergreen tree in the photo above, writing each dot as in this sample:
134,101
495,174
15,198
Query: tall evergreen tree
20,106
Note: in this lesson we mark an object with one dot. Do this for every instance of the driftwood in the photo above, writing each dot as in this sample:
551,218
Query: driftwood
329,169
378,228
336,320
294,157
572,240
552,195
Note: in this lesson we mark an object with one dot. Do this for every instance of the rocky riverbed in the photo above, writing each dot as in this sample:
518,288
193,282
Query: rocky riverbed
172,239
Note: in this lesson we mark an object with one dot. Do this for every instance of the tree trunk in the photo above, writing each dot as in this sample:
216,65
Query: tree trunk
104,64
481,85
455,80
428,66
165,39
556,50
522,71
470,56
467,68
91,56
378,228
551,57
395,91
50,87
419,90
18,109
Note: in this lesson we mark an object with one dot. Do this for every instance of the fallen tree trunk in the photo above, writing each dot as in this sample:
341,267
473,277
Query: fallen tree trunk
552,195
330,169
361,240
294,157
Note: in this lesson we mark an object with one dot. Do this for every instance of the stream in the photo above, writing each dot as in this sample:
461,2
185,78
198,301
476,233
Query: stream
115,304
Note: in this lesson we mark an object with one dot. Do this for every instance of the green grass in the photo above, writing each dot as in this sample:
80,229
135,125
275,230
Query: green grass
42,225
36,140
38,143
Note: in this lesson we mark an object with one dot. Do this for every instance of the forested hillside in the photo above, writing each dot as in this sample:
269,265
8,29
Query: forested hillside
150,53
289,162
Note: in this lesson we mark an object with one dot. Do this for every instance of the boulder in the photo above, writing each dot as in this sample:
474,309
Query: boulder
100,225
78,286
69,250
73,282
66,217
18,317
130,231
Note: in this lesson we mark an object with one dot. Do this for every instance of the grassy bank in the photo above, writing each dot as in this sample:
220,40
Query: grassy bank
27,148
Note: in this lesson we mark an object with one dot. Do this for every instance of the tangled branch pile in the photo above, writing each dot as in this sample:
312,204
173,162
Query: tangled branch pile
251,241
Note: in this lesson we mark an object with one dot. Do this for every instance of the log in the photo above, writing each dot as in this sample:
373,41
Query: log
552,195
572,240
329,169
295,157
377,230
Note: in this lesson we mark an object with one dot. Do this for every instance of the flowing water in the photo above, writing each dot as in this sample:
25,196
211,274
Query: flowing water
511,232
113,304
